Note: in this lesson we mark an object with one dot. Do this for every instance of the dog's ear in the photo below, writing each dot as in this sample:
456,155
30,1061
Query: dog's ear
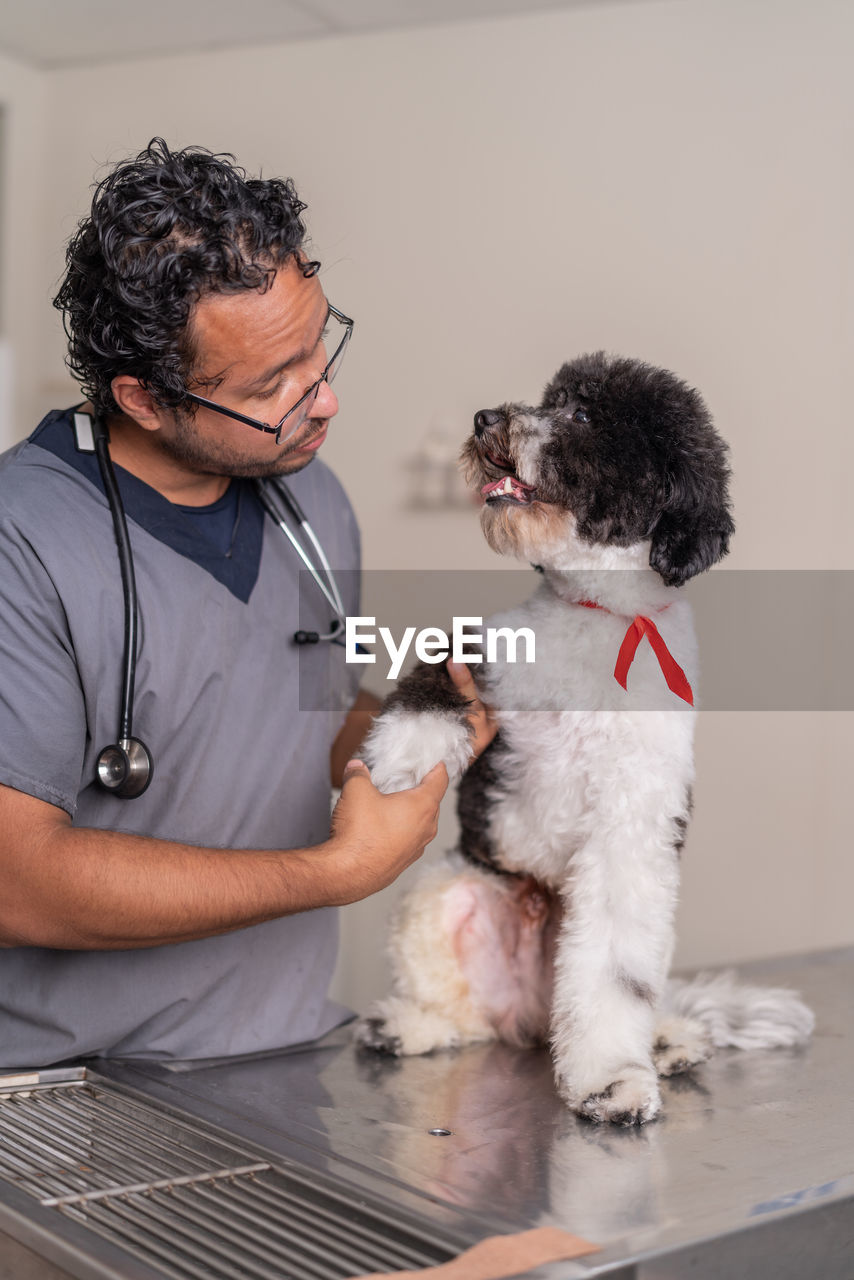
695,525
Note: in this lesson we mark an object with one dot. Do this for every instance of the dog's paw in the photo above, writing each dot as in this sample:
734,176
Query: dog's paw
680,1044
400,1028
404,745
373,1034
631,1098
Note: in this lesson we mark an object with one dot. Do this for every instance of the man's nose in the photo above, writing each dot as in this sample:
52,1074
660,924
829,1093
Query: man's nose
325,402
484,419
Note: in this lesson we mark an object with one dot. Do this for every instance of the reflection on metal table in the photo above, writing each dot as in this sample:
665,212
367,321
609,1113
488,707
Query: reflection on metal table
749,1173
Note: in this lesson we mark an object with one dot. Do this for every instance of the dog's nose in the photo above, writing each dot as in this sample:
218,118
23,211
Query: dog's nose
484,419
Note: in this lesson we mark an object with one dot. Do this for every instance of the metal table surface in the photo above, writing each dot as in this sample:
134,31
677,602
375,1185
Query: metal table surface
749,1172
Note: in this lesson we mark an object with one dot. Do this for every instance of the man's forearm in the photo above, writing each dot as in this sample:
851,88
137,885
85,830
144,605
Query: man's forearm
102,890
75,888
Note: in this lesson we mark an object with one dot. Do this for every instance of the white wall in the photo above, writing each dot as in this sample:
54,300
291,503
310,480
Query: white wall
669,179
24,282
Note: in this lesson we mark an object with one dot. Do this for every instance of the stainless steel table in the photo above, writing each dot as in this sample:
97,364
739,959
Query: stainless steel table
749,1173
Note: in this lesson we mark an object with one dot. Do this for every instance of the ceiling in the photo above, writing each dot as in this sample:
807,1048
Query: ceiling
61,33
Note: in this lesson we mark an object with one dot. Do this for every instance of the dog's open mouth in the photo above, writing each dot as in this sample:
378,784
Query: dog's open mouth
508,487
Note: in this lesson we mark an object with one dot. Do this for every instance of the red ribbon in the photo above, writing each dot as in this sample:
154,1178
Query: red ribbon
640,626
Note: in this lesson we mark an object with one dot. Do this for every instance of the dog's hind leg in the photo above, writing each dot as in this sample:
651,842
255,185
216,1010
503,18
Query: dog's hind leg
472,957
430,1006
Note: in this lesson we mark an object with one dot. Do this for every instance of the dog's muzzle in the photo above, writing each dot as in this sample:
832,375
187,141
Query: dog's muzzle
484,419
492,446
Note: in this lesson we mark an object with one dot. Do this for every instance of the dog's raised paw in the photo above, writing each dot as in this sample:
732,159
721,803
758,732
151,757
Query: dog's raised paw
631,1099
403,746
373,1035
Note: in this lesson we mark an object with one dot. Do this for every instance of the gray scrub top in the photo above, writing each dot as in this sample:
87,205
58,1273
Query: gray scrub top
237,763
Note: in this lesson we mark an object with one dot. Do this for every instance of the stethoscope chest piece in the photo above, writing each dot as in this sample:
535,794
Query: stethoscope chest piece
125,768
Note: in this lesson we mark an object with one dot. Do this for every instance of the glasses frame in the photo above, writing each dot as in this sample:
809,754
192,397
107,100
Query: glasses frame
310,393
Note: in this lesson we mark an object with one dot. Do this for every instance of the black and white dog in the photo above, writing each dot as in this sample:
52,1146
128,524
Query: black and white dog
554,918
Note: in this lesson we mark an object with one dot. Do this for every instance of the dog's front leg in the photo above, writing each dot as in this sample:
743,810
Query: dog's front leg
612,960
422,722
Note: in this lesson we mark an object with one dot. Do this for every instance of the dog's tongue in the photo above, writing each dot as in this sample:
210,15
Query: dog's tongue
509,485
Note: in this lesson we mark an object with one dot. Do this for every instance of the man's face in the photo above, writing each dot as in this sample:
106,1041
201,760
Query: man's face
256,353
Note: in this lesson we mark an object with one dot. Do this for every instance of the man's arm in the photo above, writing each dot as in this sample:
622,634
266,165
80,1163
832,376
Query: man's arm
82,889
76,888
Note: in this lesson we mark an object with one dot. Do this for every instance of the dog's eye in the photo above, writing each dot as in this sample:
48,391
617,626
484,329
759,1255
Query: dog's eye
581,415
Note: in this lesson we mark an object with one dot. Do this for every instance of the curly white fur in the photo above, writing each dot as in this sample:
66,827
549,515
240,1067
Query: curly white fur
738,1016
402,748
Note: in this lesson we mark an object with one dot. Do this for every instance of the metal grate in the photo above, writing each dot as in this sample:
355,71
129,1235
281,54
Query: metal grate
188,1204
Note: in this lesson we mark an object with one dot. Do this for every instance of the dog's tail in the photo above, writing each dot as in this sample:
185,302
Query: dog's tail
739,1016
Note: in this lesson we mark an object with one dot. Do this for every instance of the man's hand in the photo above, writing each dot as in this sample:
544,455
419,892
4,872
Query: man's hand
375,836
481,718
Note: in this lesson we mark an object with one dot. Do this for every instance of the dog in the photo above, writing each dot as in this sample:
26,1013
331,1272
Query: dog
553,920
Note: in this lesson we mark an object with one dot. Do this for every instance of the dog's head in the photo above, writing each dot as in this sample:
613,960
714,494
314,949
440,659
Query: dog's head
618,455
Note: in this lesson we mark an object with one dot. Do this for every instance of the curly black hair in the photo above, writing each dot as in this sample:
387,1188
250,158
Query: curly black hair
166,229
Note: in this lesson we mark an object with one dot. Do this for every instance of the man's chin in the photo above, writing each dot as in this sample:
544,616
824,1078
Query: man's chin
291,463
294,458
286,465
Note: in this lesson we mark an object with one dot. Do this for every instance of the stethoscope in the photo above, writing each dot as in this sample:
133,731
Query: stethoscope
125,768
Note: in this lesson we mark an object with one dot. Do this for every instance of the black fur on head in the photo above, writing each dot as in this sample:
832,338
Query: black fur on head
647,464
628,450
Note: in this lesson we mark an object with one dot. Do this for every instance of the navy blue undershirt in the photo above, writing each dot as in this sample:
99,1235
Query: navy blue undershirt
219,522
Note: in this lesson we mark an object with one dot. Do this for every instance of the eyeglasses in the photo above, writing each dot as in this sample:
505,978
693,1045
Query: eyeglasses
298,412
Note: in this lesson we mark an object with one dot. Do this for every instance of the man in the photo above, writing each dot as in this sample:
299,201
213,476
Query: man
191,921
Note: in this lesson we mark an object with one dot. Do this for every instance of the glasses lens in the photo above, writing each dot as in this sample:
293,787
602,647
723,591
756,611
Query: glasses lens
343,338
337,339
294,420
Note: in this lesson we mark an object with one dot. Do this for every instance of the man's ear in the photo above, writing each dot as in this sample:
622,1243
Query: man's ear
135,402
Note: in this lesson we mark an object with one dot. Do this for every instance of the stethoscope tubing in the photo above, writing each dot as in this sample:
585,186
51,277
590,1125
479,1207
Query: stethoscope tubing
123,547
332,595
